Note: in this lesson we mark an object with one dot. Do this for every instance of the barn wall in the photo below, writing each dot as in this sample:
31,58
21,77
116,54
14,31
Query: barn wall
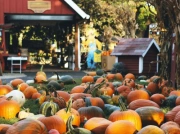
149,57
20,7
131,63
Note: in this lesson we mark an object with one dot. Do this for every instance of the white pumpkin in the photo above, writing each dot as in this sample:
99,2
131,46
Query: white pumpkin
24,114
17,96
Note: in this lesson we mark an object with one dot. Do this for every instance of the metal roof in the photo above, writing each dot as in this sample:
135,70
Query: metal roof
134,46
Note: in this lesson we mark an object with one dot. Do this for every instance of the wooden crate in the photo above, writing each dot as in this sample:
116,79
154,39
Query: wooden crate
107,62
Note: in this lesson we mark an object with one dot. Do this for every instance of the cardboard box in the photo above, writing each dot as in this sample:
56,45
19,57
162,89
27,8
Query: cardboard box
107,62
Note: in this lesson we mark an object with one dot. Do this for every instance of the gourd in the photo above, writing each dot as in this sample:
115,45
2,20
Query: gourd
15,82
4,128
4,89
25,113
99,72
48,106
41,72
67,79
77,130
109,108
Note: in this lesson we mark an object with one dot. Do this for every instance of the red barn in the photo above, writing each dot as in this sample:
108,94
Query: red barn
46,12
140,55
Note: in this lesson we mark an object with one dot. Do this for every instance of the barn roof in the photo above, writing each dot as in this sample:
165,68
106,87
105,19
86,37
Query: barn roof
134,46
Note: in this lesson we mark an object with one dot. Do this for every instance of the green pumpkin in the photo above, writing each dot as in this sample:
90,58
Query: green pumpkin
99,72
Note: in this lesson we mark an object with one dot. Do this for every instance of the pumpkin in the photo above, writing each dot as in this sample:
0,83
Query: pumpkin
65,113
124,114
124,90
16,82
137,94
9,108
141,103
48,106
4,128
53,131
29,91
22,86
166,90
130,76
106,90
17,96
91,73
118,77
72,130
55,85
87,78
88,112
76,96
41,72
25,113
170,115
158,98
65,95
27,126
154,86
77,89
40,78
110,76
97,125
109,108
121,127
4,89
36,95
150,115
54,122
175,92
170,127
99,72
129,82
101,79
151,129
176,118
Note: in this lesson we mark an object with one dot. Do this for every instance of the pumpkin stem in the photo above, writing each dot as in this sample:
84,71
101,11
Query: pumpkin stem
94,89
121,104
69,105
41,69
9,98
57,75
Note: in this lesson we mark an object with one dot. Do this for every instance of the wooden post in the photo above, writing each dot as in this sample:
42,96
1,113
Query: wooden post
77,50
173,61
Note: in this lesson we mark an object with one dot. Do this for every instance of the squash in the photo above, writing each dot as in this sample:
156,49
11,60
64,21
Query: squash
130,76
170,101
99,72
170,127
72,130
28,92
27,126
97,125
154,86
158,98
15,82
67,79
48,106
4,128
87,78
41,72
25,113
170,115
151,115
108,109
4,89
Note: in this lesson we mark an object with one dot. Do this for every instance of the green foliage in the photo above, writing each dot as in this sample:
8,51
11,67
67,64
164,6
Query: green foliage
119,67
8,121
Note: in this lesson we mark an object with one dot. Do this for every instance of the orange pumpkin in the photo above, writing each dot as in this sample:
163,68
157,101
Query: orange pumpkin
97,125
130,76
4,89
87,78
27,126
121,127
137,94
77,89
4,128
54,122
151,129
158,98
29,91
22,86
16,82
119,76
65,113
170,127
110,76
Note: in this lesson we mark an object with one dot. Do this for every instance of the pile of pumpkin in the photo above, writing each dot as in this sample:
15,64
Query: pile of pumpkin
101,104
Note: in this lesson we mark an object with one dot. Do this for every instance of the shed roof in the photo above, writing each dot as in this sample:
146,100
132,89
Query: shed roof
134,46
